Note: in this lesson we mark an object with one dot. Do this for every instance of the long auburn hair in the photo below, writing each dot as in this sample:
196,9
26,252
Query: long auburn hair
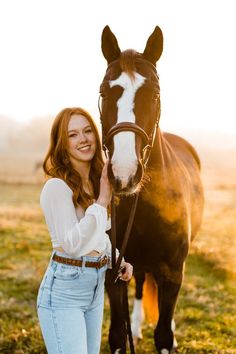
57,162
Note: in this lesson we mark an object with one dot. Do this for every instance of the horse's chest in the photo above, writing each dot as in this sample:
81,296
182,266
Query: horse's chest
153,225
152,239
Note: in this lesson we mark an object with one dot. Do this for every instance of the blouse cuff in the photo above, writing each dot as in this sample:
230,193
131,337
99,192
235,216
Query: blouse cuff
96,208
100,214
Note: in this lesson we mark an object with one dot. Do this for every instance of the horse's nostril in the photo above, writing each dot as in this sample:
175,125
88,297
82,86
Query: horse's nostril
137,177
131,182
117,184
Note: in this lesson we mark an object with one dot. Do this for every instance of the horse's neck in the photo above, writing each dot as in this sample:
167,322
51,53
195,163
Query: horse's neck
168,182
160,152
165,166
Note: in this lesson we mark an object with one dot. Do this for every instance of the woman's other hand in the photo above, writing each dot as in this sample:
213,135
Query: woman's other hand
126,271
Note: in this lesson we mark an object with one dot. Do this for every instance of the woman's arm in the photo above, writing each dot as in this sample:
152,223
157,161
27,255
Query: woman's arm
75,237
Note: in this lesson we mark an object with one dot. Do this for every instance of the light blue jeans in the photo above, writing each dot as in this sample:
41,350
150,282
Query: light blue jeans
70,307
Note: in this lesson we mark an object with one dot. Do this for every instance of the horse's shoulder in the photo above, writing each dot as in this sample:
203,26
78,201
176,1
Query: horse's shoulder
178,141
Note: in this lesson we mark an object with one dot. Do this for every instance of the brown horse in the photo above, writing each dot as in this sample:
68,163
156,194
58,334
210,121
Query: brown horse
164,168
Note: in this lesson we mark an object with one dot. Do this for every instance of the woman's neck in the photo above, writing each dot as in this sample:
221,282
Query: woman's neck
83,168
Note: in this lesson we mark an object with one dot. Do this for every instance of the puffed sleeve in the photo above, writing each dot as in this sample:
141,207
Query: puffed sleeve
108,226
77,238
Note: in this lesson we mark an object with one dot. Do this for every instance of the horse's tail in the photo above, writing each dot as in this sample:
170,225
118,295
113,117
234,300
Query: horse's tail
150,298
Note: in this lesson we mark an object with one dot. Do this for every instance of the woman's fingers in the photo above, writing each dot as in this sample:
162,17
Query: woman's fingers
127,272
104,171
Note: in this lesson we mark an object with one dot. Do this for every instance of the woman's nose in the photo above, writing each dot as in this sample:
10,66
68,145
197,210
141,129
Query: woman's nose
82,138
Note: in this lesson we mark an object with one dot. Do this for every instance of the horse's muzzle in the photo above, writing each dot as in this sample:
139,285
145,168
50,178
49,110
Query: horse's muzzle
125,186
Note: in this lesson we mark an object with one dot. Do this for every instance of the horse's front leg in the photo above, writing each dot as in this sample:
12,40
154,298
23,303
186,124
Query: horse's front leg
138,311
168,290
117,332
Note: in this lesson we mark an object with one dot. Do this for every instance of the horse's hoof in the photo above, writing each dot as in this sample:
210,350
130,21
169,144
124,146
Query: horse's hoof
166,351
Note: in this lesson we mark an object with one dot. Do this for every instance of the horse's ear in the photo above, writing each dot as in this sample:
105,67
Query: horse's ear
154,46
110,47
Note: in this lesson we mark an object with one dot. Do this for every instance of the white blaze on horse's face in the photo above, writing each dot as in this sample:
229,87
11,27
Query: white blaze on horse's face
124,159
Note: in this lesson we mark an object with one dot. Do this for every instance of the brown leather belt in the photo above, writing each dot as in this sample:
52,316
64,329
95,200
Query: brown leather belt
78,263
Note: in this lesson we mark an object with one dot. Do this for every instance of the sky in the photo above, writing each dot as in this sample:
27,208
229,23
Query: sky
51,57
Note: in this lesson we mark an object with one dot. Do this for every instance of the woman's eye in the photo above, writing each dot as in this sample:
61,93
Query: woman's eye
88,131
72,135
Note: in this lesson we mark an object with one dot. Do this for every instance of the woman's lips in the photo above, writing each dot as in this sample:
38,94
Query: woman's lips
84,148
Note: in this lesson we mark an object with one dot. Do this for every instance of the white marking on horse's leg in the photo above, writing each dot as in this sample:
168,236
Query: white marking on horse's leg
173,325
117,351
137,318
124,160
175,344
165,351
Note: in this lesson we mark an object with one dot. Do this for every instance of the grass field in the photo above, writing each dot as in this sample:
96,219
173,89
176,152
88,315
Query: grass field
206,312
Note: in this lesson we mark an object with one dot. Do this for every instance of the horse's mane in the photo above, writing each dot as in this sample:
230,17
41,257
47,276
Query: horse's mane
127,61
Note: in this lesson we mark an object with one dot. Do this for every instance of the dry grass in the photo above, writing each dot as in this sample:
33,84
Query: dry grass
217,237
206,312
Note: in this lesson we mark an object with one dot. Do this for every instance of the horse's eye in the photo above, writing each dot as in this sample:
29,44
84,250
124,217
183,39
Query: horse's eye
102,94
156,96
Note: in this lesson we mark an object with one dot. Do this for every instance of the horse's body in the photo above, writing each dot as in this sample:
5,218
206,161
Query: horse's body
170,203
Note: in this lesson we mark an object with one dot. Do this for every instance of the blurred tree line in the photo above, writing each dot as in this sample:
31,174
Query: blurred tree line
31,137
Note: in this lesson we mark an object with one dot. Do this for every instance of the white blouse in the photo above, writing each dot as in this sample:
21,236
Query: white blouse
78,233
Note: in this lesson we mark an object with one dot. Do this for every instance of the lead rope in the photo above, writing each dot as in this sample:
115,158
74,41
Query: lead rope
116,264
113,233
127,318
127,233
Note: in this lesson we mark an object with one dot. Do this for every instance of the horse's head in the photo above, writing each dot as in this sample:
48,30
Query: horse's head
130,108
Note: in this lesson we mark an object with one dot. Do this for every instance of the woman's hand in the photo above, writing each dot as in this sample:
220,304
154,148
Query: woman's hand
105,188
126,271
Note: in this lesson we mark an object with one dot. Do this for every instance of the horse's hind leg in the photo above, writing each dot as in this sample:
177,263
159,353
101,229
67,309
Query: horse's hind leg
117,332
138,312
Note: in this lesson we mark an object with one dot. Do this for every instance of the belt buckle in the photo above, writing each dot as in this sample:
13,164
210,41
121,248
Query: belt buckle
102,262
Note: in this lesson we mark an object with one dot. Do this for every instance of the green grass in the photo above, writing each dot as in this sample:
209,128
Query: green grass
206,311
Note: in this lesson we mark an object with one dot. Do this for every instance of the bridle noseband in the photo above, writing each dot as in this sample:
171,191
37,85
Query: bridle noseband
125,126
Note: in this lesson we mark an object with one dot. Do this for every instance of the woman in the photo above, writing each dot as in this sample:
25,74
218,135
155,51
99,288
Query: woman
74,201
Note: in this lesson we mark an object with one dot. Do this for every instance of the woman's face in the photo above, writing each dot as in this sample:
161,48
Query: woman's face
82,142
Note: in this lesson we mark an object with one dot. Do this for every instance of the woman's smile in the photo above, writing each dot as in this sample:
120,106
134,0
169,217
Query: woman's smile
85,148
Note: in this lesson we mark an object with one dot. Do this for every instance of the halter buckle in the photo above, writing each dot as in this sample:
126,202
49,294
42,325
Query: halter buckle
106,150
